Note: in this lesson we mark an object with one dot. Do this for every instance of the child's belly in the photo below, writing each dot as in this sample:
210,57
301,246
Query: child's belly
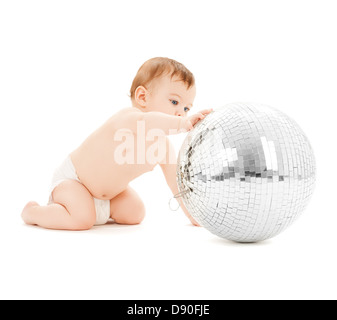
104,178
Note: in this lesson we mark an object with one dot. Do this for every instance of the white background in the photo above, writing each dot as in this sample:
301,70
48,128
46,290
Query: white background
66,66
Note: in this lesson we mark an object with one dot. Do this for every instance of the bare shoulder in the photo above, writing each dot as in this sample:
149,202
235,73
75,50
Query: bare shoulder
125,112
126,118
130,110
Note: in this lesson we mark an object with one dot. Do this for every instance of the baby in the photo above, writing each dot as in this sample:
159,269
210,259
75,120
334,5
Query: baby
92,184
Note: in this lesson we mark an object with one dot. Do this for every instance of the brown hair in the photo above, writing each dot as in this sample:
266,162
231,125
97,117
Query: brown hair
157,67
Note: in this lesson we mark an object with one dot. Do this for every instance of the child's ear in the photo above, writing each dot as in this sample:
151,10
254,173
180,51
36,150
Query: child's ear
140,96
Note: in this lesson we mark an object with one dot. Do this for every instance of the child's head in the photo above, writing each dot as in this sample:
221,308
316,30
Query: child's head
163,85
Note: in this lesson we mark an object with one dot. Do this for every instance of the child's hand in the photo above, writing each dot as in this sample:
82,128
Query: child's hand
191,121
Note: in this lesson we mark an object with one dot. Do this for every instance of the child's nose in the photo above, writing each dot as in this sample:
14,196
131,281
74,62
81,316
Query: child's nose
180,113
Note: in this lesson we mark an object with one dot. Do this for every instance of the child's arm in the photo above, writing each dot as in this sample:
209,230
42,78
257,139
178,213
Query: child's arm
173,124
158,120
169,124
169,169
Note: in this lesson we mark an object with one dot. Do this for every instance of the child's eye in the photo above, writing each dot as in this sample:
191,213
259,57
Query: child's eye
175,102
186,109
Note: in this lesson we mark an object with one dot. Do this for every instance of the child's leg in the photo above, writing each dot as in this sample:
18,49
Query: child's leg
127,207
73,209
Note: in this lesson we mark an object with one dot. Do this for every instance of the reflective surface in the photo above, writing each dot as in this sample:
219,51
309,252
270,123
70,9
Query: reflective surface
246,172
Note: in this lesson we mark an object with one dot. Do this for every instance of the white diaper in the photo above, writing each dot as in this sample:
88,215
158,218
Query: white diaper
66,171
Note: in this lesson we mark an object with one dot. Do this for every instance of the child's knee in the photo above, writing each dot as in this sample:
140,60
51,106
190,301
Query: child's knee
139,213
127,208
83,224
134,214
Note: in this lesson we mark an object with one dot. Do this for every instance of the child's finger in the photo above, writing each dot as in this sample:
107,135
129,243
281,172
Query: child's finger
206,111
200,116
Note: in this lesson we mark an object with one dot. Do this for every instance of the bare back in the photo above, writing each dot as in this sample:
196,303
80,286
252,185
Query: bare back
95,159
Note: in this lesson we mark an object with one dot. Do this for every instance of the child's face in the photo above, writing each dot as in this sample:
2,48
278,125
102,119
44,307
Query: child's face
170,96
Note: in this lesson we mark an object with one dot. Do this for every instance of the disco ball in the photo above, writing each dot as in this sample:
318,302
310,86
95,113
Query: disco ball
246,172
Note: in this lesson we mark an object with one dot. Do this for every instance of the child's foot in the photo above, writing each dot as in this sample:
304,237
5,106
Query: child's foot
26,212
